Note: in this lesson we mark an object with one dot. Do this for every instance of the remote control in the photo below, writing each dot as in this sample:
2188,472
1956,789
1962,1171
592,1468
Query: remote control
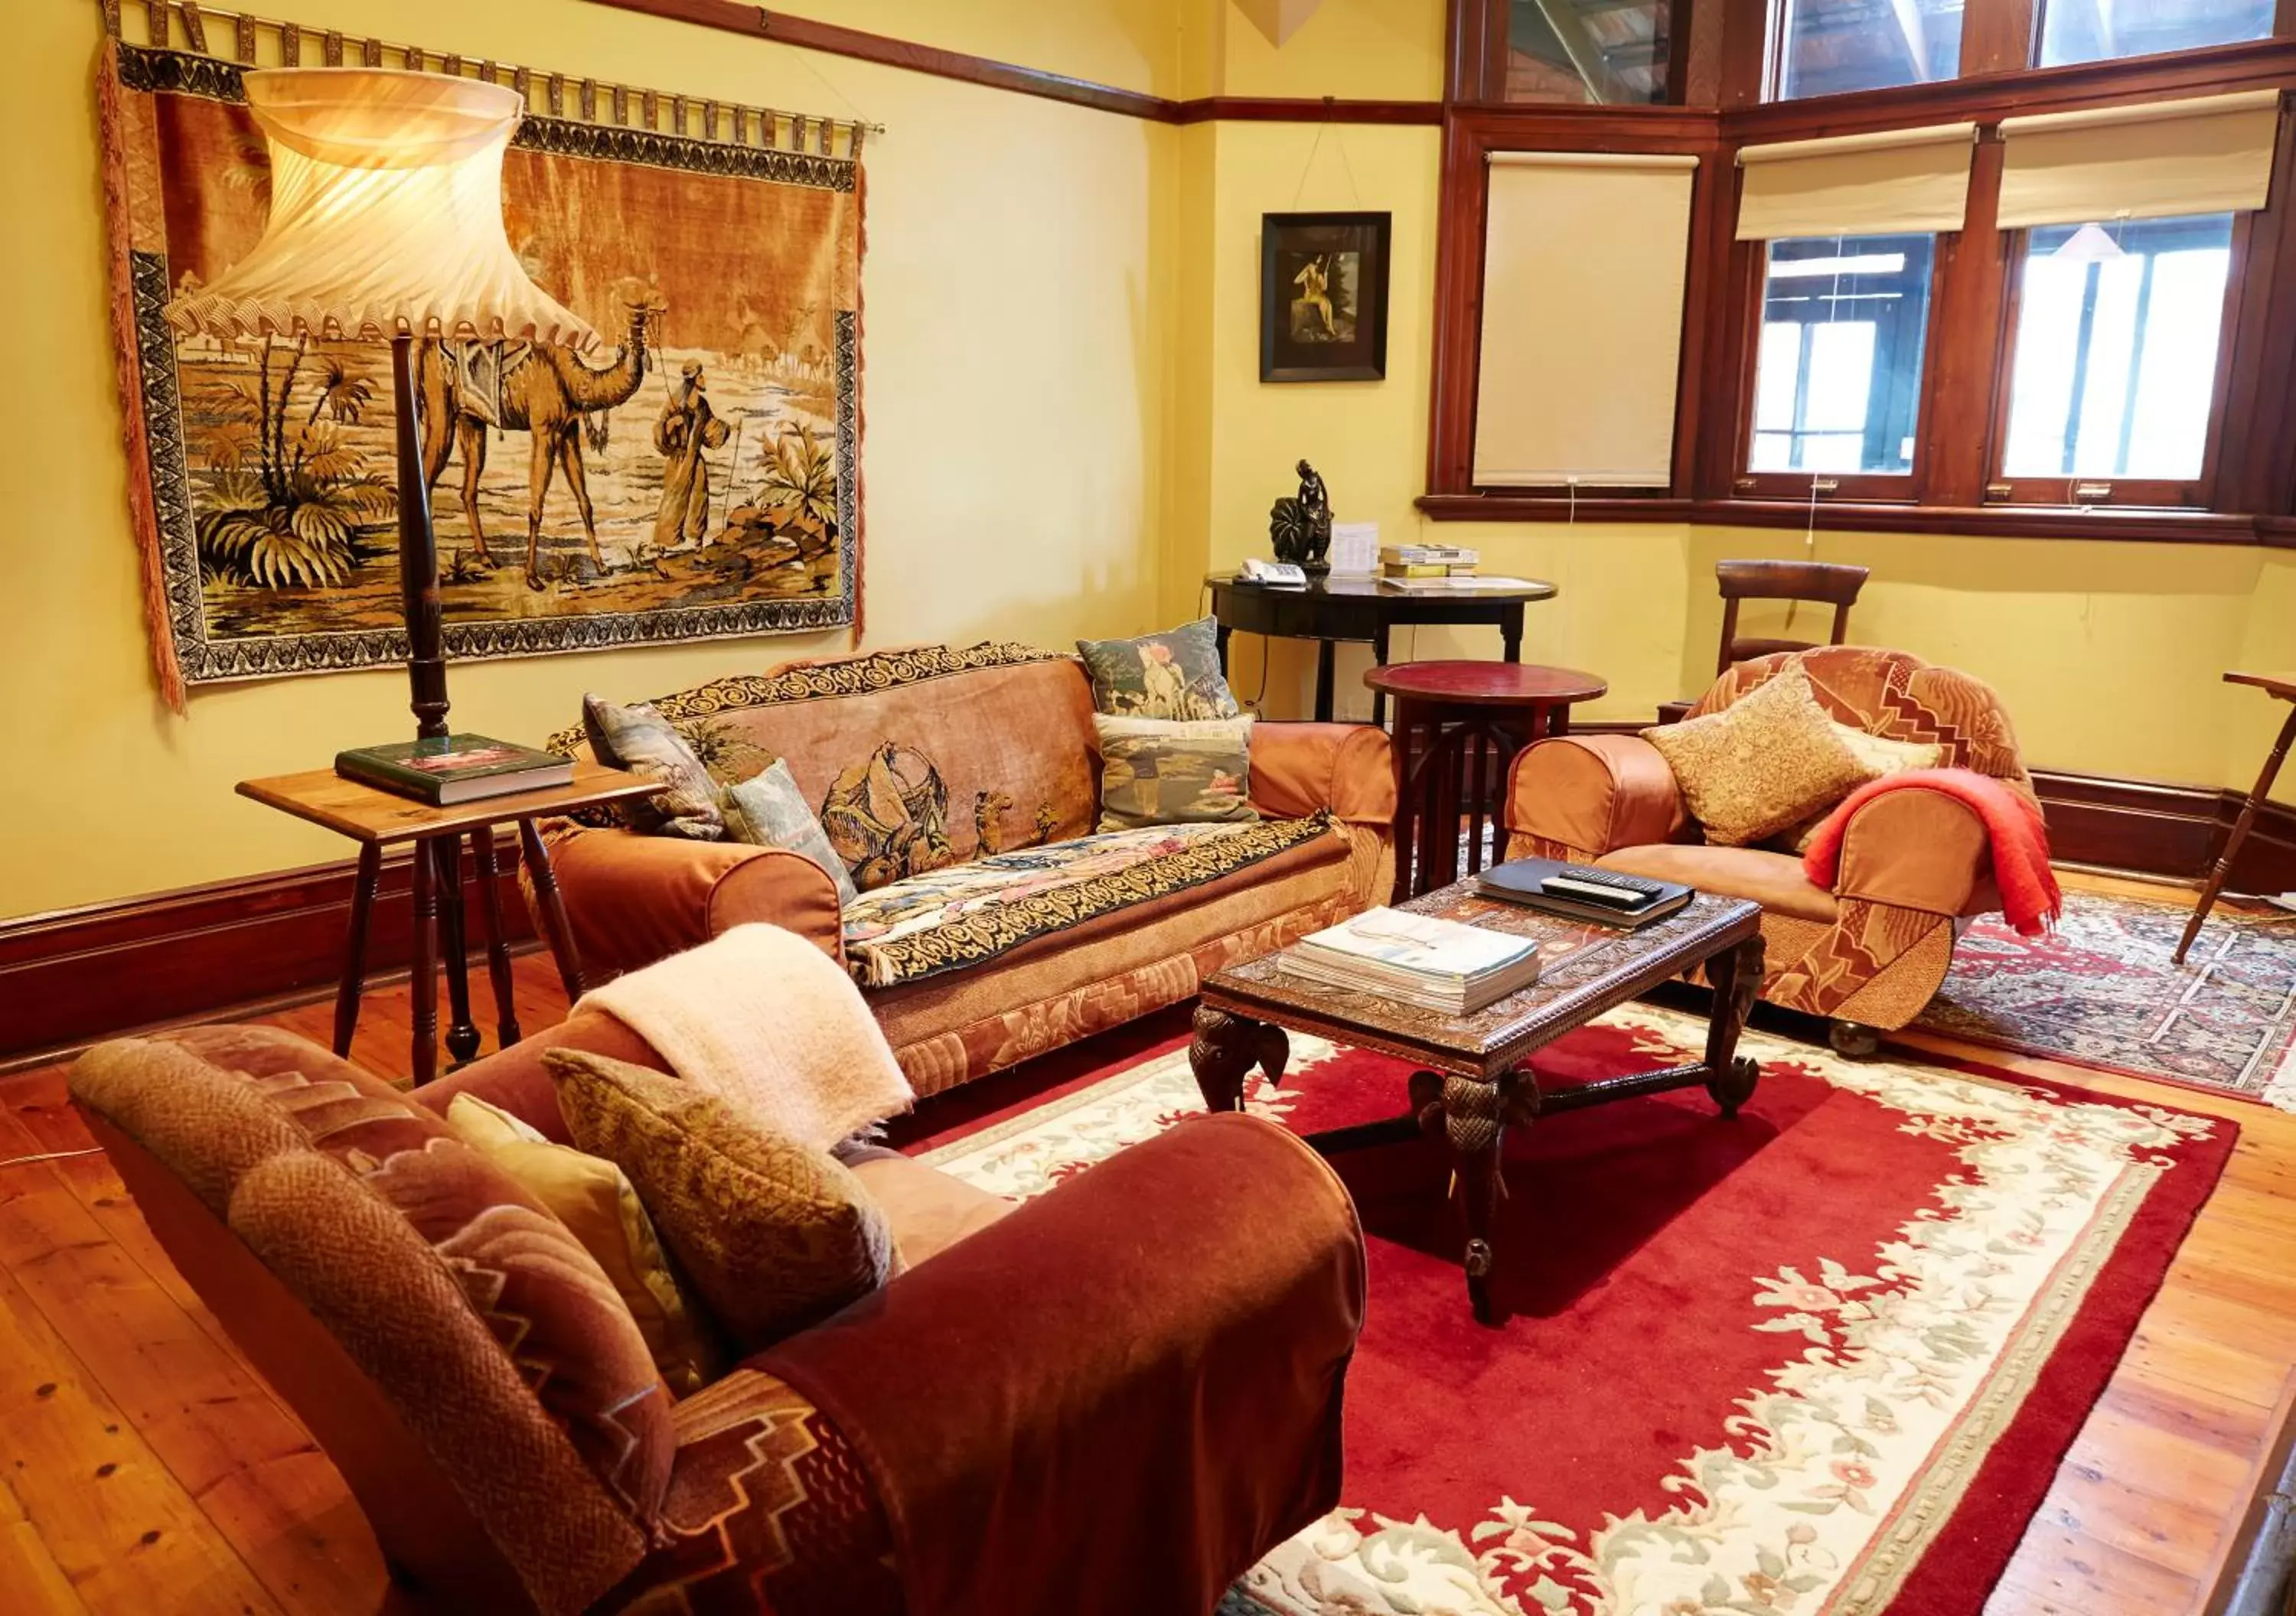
1603,887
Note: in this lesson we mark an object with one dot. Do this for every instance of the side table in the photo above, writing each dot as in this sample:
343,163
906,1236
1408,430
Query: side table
2283,688
1452,726
376,820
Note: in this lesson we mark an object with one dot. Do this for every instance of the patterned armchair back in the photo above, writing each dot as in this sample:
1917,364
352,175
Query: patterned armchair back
1897,696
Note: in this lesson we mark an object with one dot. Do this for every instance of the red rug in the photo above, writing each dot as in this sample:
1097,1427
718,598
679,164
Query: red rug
1769,1365
2102,989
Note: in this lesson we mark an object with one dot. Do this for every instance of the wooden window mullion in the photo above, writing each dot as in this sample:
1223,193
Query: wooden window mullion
1957,413
1997,35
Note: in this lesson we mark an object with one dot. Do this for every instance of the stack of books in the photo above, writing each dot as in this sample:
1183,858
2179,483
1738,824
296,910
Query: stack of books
1419,960
451,769
1427,562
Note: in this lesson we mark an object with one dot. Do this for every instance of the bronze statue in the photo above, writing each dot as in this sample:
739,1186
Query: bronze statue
1299,527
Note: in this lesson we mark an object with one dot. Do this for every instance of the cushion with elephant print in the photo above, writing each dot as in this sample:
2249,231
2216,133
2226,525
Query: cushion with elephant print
1175,675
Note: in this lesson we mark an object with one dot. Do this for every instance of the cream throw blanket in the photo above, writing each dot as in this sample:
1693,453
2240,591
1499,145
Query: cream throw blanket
770,1025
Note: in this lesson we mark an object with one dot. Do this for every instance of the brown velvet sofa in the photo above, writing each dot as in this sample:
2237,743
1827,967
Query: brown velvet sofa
928,761
1915,865
1162,1411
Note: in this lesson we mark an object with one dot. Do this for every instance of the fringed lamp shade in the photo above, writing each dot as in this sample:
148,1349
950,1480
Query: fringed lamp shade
386,216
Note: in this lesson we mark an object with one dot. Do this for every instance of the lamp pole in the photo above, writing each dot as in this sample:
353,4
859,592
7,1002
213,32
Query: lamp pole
418,554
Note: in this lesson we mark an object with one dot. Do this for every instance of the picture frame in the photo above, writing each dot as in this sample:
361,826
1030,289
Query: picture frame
1323,296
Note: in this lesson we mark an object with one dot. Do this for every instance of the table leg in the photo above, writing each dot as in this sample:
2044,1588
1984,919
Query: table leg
1446,756
2240,829
1407,804
1326,659
489,878
1474,1118
1220,632
555,930
424,983
1478,751
1736,976
354,983
462,1032
1511,632
1224,1048
1379,658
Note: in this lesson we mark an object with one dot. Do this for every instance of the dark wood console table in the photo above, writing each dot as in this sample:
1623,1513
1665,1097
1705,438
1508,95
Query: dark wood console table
1358,609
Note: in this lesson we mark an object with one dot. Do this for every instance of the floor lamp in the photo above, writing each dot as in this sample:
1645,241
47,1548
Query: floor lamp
386,225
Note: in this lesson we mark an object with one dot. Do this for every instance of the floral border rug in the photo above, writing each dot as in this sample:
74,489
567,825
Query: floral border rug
1823,1358
2102,991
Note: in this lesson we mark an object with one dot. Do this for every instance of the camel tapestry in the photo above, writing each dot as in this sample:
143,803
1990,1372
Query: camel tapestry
693,474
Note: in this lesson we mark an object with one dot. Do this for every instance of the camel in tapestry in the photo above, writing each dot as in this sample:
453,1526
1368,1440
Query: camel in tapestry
534,388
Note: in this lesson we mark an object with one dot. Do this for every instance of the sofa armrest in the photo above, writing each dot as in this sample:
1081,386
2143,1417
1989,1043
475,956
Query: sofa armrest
515,1078
1593,794
1192,1303
1299,768
1918,850
632,900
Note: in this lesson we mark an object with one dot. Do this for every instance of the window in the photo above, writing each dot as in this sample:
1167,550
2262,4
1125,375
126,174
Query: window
1828,46
1611,52
2094,30
1838,365
2115,366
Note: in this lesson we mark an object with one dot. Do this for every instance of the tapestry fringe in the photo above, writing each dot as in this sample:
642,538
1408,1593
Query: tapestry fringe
860,393
142,509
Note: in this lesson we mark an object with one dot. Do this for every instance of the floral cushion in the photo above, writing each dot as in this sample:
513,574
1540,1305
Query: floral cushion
950,918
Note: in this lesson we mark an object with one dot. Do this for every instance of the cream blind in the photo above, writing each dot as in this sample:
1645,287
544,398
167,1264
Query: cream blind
1896,182
2208,154
1583,262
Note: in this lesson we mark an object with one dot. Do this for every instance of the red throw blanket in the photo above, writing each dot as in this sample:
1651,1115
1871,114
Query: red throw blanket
2029,897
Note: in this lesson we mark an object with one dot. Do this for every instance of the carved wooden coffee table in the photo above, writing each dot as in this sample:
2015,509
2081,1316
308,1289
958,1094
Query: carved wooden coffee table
1475,1080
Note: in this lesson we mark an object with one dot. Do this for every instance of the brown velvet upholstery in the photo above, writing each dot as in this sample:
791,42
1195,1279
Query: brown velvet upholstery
1008,735
1914,863
1165,1408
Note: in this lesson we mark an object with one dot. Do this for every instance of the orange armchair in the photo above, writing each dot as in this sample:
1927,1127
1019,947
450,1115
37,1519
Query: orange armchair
1915,866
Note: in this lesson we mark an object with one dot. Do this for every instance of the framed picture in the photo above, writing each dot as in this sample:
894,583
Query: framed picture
1323,297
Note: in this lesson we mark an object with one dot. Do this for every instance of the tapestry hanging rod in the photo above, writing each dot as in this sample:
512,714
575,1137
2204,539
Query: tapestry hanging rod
268,42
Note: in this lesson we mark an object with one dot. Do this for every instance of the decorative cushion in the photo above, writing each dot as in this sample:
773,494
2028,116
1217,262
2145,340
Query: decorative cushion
1173,674
774,1236
1882,755
1173,771
593,1198
1761,763
640,739
768,809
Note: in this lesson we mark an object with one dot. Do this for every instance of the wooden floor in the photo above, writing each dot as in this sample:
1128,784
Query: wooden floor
149,1472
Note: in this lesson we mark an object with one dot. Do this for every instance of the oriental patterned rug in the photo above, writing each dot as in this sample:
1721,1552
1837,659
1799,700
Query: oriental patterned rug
2102,991
1824,1358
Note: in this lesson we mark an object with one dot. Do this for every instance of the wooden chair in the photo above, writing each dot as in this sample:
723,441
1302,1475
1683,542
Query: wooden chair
1833,583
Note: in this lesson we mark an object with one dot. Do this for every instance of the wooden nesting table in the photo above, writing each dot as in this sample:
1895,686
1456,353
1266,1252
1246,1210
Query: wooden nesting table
1474,1082
376,820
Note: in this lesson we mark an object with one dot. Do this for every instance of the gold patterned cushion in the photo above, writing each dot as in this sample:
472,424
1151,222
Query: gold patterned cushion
1761,763
774,1236
1882,755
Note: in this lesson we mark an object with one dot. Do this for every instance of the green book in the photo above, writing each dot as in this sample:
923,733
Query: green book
451,769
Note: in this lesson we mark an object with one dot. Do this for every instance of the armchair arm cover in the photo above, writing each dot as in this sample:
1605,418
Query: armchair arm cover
1916,850
1117,1399
632,900
1594,793
1298,767
514,1080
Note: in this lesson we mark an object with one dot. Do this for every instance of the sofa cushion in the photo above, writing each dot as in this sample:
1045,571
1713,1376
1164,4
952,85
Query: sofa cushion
774,1235
953,918
768,809
1172,674
1758,765
1173,771
641,739
1773,880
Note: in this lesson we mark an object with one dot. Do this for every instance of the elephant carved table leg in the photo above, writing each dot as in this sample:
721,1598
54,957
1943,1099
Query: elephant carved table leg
1224,1048
1736,977
1472,1119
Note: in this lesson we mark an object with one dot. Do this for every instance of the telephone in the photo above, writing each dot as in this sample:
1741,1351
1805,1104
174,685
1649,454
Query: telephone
1283,574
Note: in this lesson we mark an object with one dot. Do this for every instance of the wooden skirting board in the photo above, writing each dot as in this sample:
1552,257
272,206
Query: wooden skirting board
73,976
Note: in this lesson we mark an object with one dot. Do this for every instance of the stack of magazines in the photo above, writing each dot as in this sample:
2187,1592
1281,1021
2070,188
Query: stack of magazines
1419,960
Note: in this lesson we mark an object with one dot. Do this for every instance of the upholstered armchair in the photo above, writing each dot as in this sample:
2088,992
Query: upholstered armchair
1136,1377
1915,866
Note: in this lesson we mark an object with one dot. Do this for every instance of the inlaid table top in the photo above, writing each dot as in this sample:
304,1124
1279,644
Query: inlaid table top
1598,968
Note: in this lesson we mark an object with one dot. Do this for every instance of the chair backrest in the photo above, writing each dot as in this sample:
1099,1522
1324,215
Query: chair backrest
379,1273
1897,696
1833,583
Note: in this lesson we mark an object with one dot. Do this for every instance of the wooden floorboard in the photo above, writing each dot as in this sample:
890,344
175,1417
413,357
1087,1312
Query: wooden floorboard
149,1469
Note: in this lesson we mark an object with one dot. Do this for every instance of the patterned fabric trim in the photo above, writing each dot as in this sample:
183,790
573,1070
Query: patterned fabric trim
847,676
971,938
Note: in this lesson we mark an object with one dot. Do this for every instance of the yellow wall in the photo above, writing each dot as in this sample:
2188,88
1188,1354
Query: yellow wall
1016,393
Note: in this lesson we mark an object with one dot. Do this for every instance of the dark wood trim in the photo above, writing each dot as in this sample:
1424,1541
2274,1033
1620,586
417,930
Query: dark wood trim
1971,329
1305,110
2151,828
2103,522
71,976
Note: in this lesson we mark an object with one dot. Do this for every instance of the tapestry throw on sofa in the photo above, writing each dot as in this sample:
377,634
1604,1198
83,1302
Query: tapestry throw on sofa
692,475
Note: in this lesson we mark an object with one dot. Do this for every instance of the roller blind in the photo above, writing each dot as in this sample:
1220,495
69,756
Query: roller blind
1898,182
1583,264
2208,154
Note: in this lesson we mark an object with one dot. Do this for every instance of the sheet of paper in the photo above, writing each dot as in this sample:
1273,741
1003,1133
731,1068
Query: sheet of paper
1355,548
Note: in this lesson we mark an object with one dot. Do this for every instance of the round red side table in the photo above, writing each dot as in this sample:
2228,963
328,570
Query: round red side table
1457,727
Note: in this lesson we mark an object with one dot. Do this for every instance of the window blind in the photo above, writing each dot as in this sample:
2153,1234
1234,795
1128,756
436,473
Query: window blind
1898,182
1584,254
2206,154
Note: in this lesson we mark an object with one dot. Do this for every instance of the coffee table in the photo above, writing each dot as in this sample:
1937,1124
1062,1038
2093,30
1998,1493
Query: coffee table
1473,1082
